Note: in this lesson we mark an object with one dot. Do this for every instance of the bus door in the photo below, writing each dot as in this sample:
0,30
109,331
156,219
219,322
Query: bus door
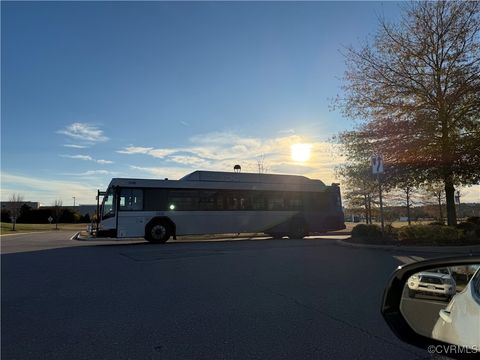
108,222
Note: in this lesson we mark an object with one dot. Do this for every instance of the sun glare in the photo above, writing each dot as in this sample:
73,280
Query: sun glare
300,152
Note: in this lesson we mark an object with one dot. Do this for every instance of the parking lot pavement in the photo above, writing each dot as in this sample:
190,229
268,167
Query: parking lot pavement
44,240
256,299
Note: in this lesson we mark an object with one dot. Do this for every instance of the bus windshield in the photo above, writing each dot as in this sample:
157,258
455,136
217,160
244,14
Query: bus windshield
107,208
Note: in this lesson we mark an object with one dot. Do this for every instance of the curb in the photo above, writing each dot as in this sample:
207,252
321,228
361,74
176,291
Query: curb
475,249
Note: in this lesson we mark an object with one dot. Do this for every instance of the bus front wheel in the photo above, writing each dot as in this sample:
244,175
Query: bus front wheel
158,232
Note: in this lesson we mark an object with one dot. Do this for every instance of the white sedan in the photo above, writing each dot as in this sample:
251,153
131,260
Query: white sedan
459,322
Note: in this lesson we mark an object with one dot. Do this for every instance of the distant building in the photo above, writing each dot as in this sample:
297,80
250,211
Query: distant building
8,204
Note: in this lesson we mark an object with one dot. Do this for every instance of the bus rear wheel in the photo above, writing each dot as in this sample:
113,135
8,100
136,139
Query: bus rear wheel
297,230
158,232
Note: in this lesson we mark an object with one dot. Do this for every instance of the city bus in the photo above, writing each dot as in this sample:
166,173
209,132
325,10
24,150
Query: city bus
211,202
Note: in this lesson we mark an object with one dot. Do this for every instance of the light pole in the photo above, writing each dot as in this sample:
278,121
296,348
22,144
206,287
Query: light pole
73,197
377,169
457,200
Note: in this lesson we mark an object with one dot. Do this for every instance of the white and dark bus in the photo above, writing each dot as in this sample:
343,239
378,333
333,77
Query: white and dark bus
209,202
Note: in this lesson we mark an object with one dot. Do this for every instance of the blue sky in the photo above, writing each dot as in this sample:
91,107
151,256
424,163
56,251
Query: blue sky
92,91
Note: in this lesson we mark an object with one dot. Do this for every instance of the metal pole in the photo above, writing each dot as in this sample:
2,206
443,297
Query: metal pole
97,217
381,203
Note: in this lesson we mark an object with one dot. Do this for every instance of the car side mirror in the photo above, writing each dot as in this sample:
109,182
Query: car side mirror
435,305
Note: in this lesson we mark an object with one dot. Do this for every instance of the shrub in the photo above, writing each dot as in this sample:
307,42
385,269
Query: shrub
470,230
429,234
5,216
439,223
474,220
366,231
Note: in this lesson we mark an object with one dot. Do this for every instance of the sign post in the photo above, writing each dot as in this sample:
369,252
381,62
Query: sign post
50,219
377,169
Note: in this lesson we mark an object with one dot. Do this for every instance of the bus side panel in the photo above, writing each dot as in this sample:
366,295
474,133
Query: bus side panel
222,222
322,221
107,228
132,223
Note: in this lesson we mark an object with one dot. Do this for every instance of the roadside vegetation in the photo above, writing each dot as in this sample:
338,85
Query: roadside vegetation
414,92
465,233
6,228
20,217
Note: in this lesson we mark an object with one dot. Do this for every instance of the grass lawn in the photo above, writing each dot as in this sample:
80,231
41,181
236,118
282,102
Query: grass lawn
6,228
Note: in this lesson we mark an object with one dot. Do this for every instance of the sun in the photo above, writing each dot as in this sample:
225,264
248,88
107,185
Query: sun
300,152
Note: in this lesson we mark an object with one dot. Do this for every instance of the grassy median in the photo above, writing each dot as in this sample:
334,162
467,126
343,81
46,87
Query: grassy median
6,228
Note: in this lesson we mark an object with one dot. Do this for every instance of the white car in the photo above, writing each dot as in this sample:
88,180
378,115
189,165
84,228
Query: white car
438,282
459,322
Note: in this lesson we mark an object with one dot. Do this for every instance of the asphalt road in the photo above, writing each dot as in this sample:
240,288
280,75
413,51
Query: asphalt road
265,299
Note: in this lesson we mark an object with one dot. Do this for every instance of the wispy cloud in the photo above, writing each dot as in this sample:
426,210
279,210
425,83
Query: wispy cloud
158,153
184,123
80,157
190,160
75,146
91,173
83,132
223,150
157,172
88,158
46,190
286,131
101,161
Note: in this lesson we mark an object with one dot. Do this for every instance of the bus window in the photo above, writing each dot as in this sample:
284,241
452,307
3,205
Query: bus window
183,199
155,199
131,199
276,202
232,202
258,200
294,202
207,200
220,201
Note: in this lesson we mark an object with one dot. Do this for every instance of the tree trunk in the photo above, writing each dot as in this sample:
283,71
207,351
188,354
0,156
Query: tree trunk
370,208
440,212
366,208
450,199
408,206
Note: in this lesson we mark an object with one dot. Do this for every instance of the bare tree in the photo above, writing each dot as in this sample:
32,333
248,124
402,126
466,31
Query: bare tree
262,169
434,194
15,203
57,207
417,86
360,185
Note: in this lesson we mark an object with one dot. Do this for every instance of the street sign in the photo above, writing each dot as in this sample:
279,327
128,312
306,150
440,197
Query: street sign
50,219
377,164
